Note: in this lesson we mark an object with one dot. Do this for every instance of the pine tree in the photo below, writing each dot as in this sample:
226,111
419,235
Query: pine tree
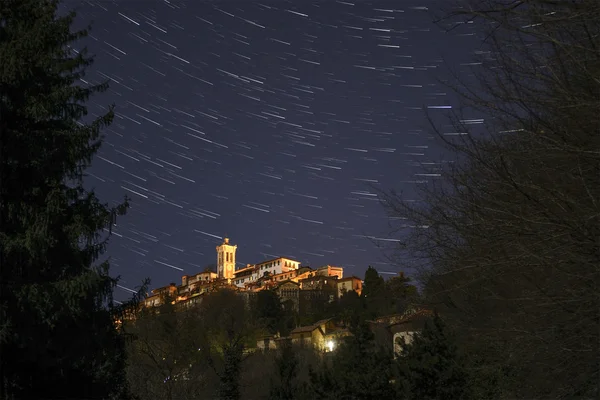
57,331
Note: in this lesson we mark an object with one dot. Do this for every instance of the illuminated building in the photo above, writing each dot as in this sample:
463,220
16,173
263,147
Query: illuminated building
252,273
323,335
292,282
347,284
226,260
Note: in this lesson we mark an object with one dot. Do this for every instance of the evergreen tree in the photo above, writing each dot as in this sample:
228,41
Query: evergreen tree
57,333
430,367
373,283
374,293
351,308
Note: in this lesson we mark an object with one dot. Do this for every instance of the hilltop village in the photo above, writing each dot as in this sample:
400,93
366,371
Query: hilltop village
291,281
300,288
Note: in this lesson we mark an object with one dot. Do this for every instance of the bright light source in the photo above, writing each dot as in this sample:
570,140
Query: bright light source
330,345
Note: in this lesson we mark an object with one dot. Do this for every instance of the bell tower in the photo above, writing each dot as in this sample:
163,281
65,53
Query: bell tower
226,259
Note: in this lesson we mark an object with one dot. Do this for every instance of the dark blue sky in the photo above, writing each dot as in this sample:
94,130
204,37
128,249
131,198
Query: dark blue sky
265,121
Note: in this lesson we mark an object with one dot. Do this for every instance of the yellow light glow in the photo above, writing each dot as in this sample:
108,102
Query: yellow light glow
330,345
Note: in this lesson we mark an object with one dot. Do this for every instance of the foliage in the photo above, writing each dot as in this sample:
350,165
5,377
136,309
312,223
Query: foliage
508,239
226,331
316,305
430,367
267,311
57,335
381,297
351,308
357,369
189,353
374,283
401,294
164,355
284,385
360,366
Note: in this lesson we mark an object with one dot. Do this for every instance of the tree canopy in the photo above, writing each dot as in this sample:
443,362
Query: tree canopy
507,239
57,333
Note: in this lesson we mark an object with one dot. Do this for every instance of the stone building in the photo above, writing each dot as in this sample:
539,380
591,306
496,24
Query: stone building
295,284
348,284
323,335
226,260
289,291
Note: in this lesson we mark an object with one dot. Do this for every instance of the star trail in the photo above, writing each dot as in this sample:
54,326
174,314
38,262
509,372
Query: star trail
268,122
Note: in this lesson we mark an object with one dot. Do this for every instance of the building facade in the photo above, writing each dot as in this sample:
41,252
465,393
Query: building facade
347,284
226,260
295,285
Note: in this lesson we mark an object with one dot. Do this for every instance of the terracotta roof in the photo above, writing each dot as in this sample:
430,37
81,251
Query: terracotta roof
310,328
349,278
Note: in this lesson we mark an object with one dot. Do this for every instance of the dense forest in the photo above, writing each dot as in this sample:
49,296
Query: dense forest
506,245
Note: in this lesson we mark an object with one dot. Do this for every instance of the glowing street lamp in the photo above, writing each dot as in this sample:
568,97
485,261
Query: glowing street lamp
330,345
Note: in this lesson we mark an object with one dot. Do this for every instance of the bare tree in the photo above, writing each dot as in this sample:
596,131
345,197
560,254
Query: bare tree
508,241
164,355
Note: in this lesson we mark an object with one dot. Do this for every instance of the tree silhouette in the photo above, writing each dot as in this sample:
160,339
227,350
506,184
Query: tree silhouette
57,333
507,240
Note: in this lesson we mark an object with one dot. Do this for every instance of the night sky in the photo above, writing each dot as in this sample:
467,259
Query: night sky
263,121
